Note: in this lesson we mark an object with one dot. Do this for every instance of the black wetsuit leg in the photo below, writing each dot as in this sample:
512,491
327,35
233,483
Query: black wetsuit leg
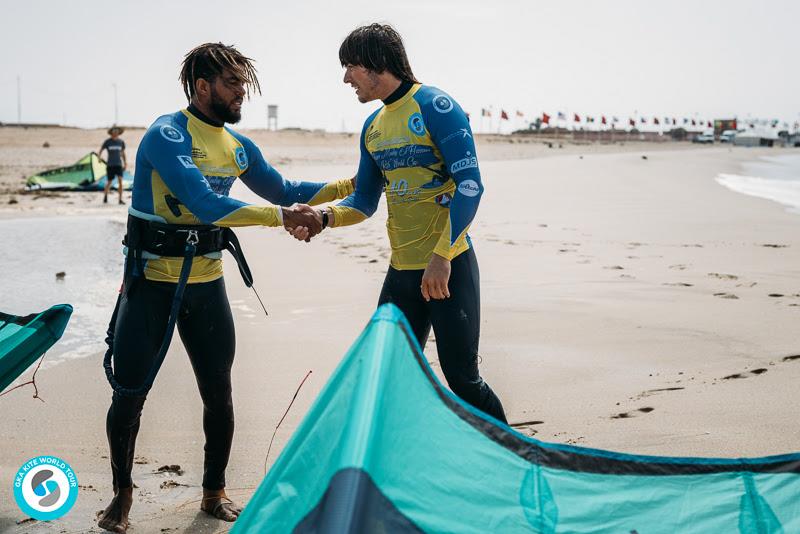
456,324
205,325
207,331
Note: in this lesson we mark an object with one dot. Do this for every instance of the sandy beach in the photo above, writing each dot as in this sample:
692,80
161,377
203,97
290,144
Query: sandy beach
629,302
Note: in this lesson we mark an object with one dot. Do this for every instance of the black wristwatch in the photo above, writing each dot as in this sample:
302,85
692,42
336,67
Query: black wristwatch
324,218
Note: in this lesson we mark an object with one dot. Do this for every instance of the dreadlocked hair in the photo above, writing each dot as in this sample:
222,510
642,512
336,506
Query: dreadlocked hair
377,47
207,61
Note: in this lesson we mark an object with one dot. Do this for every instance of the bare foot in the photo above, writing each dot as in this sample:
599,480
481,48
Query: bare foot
217,504
115,517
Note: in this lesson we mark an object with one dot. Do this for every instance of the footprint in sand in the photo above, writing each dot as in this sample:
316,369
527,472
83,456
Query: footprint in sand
678,267
726,296
633,413
656,391
773,245
677,284
790,358
776,295
746,374
614,267
693,245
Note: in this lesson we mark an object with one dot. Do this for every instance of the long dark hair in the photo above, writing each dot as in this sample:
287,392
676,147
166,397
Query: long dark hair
377,47
207,61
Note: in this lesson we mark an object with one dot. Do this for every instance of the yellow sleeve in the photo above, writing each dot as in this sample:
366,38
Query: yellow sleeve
345,216
443,247
252,216
332,191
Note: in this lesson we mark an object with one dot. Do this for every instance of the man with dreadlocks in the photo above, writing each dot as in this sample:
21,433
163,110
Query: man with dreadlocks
185,166
418,146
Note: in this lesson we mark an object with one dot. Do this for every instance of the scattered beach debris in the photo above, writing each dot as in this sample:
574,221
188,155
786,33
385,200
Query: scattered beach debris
60,275
86,488
776,295
169,484
773,245
46,144
678,266
174,468
644,157
26,520
614,267
542,226
723,276
141,460
726,296
677,284
373,261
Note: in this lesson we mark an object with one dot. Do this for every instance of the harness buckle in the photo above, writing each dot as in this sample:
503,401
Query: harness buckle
192,238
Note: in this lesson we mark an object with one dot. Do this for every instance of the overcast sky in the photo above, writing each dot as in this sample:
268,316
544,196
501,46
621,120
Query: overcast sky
709,59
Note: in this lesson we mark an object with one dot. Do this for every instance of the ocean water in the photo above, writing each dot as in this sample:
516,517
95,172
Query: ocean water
88,250
775,178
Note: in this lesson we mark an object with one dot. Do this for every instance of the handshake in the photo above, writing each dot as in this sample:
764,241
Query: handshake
302,221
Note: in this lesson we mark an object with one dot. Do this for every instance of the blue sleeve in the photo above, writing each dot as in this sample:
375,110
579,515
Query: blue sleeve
451,133
266,182
369,181
168,148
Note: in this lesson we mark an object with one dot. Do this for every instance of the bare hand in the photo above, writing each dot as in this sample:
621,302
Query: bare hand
435,278
302,221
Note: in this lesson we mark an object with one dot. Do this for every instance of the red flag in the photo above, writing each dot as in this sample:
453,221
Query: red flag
632,122
709,124
576,118
694,123
643,120
602,119
655,121
545,118
503,115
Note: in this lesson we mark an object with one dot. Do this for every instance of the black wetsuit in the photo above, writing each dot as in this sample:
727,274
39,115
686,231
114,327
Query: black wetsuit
456,324
205,325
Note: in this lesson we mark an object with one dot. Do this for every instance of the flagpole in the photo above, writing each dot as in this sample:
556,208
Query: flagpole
19,100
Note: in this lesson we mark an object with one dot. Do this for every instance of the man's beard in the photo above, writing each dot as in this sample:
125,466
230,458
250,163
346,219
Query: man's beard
222,109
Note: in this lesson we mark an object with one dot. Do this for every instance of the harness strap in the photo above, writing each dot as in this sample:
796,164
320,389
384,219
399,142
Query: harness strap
188,257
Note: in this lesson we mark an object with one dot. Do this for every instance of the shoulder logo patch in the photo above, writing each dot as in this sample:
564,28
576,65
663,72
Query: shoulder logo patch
241,158
170,133
442,104
416,125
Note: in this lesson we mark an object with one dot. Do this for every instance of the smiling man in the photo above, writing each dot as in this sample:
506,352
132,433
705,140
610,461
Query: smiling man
418,146
186,164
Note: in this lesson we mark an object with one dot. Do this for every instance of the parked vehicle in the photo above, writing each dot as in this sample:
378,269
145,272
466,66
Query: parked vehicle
727,136
705,138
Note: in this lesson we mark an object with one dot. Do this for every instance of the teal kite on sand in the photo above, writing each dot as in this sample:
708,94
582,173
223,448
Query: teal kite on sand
24,339
387,448
86,174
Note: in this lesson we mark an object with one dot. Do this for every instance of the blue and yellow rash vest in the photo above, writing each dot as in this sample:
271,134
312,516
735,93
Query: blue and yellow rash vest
185,168
420,149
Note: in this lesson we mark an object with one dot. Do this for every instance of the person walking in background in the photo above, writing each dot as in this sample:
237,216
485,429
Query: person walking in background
116,162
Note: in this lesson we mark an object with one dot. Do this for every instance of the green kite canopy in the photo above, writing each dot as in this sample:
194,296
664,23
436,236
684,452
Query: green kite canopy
24,339
386,448
87,174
